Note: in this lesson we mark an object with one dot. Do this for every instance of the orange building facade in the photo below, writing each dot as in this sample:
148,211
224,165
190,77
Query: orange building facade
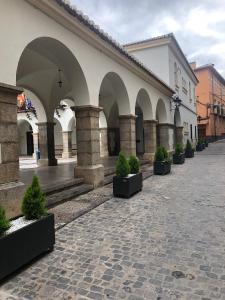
210,93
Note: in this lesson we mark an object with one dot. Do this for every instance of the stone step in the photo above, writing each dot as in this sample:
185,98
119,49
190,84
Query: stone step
68,194
61,185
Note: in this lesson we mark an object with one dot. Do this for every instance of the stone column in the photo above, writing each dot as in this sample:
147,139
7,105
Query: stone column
150,139
164,129
36,143
47,144
67,144
179,136
89,164
128,134
11,190
104,142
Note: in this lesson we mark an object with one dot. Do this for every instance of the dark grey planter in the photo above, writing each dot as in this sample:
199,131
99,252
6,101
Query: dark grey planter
199,148
189,153
125,187
178,159
162,167
23,245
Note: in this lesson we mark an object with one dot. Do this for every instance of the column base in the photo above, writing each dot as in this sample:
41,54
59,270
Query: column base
46,162
149,156
66,154
92,174
11,195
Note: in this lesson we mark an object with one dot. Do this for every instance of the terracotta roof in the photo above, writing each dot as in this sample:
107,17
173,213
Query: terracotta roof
73,11
162,37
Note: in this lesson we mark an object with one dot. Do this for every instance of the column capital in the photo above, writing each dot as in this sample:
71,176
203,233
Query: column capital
45,123
150,121
86,108
10,88
166,125
129,116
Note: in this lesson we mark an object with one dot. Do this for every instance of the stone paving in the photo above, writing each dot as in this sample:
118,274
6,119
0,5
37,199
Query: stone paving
167,242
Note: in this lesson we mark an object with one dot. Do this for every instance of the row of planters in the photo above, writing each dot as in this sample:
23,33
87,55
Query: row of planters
201,145
128,179
27,237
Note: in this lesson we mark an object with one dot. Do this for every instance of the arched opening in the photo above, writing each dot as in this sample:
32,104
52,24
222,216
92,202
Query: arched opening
178,128
51,71
143,112
104,152
58,138
162,134
25,138
113,98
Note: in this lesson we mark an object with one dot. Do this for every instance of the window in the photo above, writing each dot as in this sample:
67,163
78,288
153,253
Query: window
191,131
189,92
184,86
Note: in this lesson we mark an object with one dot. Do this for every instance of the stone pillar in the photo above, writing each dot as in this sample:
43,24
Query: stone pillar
67,144
164,130
104,142
128,134
89,164
150,139
11,190
36,143
179,137
47,144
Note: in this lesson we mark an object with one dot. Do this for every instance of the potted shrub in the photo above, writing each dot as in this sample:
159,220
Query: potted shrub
189,151
28,236
162,165
202,143
179,156
128,179
206,143
199,146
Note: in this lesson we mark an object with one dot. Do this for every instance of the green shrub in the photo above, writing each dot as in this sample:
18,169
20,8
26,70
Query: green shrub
4,222
134,164
165,153
122,166
159,155
179,149
188,146
199,143
33,205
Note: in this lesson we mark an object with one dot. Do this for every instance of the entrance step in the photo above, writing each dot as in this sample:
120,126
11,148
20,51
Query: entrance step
65,190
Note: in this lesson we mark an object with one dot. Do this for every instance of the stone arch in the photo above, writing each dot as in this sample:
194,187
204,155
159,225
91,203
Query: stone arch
43,64
161,113
114,100
103,132
162,128
143,112
25,137
58,137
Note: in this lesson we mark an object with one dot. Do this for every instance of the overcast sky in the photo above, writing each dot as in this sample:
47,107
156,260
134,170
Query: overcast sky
199,26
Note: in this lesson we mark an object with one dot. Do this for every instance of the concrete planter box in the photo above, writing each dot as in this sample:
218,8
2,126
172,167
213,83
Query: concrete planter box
125,187
21,246
178,159
189,153
162,167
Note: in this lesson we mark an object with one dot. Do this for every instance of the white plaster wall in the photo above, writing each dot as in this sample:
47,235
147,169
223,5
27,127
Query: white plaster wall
156,59
30,23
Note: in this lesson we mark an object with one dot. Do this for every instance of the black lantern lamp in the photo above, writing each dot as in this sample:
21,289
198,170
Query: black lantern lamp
60,83
175,102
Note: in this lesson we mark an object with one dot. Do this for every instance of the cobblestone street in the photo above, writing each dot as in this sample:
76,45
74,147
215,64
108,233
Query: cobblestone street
167,242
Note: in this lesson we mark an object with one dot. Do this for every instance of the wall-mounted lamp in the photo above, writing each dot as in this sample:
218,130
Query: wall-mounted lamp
175,102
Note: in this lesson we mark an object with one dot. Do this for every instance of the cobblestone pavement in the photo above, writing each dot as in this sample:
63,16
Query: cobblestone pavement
167,242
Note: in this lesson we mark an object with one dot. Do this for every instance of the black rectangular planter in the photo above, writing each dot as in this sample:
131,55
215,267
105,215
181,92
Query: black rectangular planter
162,167
199,148
21,246
125,187
179,159
189,153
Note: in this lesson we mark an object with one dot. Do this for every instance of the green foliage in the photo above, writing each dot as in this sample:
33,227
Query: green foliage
159,154
4,222
134,164
165,153
199,143
122,166
33,205
179,149
188,146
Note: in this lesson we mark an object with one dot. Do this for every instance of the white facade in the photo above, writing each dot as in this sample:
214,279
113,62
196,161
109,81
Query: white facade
164,57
